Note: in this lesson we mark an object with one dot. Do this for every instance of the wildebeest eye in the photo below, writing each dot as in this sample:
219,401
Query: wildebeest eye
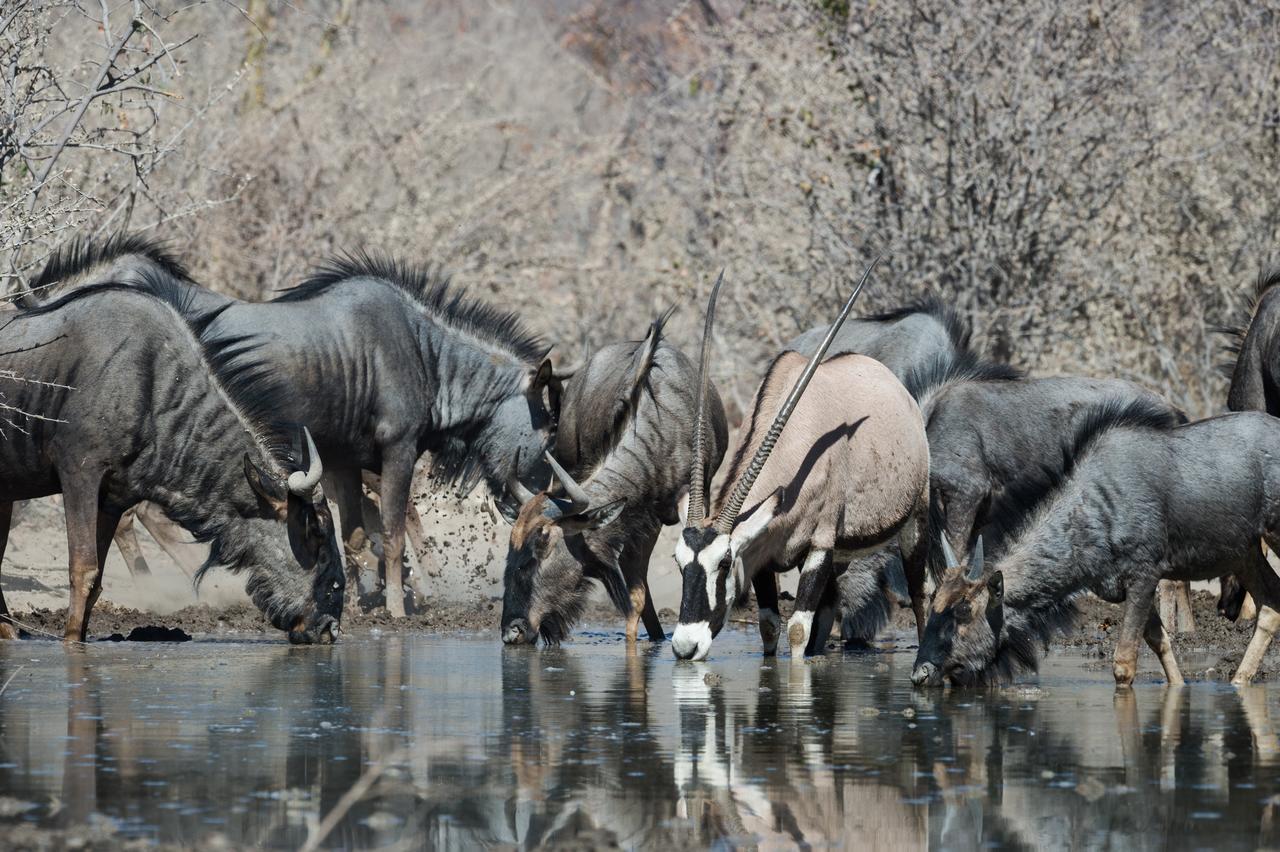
964,611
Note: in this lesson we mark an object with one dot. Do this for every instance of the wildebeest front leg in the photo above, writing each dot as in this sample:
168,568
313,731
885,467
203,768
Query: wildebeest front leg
1158,640
814,579
127,541
7,629
765,584
913,542
1263,584
1175,606
397,476
649,615
347,494
80,503
1139,599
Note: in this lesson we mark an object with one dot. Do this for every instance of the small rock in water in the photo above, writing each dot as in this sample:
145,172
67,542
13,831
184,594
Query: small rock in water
1091,789
869,712
712,679
909,712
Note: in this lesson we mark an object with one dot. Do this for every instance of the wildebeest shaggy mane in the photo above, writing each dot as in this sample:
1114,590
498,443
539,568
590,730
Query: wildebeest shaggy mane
82,254
431,288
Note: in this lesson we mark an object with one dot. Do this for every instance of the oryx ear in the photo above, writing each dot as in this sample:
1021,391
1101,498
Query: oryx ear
593,519
749,528
995,590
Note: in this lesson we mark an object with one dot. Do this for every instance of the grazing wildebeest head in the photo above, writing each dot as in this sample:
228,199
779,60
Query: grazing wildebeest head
625,433
307,604
966,620
550,562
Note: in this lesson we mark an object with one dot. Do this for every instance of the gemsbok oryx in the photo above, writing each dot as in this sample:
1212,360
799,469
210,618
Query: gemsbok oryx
849,475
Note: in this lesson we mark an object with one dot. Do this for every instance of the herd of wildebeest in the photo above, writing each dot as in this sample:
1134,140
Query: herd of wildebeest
883,456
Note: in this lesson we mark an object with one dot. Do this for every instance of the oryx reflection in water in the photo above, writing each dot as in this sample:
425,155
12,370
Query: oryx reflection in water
590,746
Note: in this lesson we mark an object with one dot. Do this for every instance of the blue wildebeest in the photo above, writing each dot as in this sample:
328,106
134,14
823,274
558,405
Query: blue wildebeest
985,420
383,362
125,402
1255,386
626,431
1143,500
850,475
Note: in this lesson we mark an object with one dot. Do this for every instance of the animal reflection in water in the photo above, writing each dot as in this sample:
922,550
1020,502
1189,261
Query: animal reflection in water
555,748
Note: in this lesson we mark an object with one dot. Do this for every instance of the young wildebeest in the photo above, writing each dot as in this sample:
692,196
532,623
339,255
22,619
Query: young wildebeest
985,420
626,428
1145,500
382,361
127,402
851,474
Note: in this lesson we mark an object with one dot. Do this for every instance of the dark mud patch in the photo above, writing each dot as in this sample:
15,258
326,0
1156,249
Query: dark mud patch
152,633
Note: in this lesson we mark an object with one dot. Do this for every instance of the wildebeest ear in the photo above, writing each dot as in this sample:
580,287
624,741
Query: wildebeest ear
263,484
543,376
748,528
509,512
306,535
995,589
595,518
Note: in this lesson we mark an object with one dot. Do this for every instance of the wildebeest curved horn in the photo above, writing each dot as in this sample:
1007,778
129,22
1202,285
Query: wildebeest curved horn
579,500
515,487
729,513
976,562
949,555
698,470
303,482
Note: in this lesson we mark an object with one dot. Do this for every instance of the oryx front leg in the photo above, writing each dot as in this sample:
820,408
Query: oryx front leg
814,578
765,583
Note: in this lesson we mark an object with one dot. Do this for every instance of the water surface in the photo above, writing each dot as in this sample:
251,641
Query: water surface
464,743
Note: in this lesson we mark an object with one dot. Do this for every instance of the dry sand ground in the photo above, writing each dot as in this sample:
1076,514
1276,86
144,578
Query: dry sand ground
463,582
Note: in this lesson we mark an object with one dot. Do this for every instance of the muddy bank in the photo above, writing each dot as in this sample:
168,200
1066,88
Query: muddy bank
1211,653
242,620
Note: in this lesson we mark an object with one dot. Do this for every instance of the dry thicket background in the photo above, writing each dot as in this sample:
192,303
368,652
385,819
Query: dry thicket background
1094,183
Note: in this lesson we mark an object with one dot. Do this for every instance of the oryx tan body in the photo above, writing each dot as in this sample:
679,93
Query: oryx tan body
833,460
853,468
853,461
